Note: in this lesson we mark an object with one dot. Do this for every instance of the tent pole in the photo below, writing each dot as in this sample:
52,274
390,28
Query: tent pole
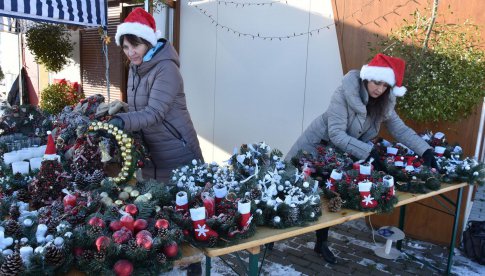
21,62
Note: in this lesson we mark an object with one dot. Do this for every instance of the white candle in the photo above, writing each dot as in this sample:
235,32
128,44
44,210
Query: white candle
10,157
35,163
388,247
20,167
25,154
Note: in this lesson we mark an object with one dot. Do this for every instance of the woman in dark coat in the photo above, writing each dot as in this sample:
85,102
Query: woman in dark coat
365,100
156,98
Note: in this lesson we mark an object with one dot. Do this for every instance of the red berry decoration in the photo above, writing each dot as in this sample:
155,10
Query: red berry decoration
140,224
144,239
78,251
131,209
96,222
102,243
122,236
123,268
69,200
171,250
162,223
127,221
115,225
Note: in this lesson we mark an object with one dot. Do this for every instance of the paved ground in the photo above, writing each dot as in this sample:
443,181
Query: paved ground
353,244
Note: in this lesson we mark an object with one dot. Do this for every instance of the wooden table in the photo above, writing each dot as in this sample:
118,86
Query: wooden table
266,235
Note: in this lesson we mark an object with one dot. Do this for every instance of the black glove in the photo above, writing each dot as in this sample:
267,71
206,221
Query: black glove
378,164
429,160
117,122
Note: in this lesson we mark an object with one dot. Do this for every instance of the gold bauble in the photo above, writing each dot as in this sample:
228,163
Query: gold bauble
123,154
128,157
99,124
118,202
110,131
122,148
115,129
118,137
134,193
125,135
111,126
96,128
128,163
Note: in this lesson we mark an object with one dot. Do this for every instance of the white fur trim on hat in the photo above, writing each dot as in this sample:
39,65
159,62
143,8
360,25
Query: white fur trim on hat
138,29
399,91
378,73
197,213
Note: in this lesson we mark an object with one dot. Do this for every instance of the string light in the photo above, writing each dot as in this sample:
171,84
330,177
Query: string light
195,4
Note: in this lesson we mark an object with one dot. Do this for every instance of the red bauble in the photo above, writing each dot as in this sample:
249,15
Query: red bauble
186,232
102,243
69,200
140,224
96,222
115,225
171,250
122,236
131,209
127,221
123,268
144,239
162,223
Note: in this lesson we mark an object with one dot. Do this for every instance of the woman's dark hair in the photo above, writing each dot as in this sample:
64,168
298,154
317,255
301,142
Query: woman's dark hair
376,107
135,40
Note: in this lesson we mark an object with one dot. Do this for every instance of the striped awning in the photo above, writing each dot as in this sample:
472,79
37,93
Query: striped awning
73,12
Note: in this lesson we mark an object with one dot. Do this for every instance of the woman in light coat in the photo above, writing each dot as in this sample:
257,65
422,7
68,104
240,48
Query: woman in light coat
156,98
365,100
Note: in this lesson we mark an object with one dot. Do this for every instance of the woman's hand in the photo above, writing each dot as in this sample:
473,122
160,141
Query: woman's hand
429,159
117,122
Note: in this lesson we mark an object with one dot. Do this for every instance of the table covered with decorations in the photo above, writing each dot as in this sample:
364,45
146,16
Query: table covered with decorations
70,197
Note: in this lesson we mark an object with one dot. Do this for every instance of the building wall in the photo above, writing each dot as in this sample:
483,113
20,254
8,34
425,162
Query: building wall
244,90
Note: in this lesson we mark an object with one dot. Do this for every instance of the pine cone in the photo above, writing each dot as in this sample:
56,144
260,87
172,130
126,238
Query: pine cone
132,245
54,255
161,258
14,212
12,265
57,208
293,215
12,228
23,195
52,225
162,233
94,231
95,178
317,209
212,241
335,204
255,194
100,256
87,255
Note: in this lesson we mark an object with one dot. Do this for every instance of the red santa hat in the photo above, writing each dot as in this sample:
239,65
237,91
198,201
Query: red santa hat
139,23
50,150
387,69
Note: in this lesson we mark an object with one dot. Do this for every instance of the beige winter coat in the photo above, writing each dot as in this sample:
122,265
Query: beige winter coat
157,109
343,123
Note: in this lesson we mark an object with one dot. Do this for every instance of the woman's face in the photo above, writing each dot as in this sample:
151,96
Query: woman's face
376,88
134,53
